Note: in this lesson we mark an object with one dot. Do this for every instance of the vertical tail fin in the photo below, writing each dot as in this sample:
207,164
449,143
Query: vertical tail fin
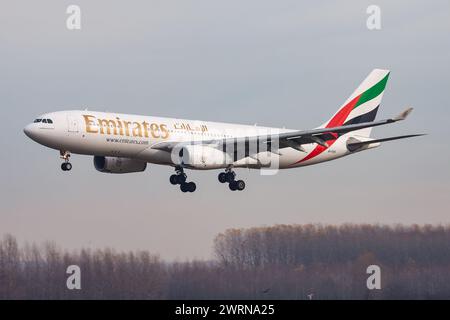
363,104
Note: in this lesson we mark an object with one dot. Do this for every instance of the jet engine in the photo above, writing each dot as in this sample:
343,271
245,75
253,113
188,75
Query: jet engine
118,165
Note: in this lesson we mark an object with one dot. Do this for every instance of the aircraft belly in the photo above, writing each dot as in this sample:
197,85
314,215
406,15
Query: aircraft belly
155,156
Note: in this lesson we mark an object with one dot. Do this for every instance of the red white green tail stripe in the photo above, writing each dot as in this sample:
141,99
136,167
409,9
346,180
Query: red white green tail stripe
361,106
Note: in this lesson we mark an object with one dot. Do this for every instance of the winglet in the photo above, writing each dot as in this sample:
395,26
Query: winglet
403,114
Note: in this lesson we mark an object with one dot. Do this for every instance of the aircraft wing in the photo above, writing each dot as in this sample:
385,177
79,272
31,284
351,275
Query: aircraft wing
293,139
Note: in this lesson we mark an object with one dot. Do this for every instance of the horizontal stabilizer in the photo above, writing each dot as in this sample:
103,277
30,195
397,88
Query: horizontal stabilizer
403,115
352,146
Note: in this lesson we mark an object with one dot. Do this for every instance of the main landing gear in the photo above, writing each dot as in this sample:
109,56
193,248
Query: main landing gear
229,176
66,165
180,178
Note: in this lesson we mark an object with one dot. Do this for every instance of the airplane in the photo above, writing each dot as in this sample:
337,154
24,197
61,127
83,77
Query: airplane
125,143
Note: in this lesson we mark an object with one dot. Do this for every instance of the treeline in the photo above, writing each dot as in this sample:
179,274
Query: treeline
279,262
294,245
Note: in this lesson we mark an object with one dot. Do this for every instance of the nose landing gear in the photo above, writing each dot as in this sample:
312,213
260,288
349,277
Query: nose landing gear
66,165
229,176
180,178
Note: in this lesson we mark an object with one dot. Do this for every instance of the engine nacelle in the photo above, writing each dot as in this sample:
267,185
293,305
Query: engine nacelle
203,157
118,165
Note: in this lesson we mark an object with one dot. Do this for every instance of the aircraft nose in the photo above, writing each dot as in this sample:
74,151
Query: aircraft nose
29,130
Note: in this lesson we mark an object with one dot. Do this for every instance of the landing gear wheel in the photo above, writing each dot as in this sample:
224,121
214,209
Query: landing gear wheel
229,176
173,179
240,185
181,178
233,186
184,187
222,177
191,186
66,166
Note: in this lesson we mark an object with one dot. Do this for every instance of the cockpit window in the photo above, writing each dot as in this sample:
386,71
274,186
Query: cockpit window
43,120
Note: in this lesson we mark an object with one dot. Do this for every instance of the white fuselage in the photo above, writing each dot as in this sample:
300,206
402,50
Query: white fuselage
133,136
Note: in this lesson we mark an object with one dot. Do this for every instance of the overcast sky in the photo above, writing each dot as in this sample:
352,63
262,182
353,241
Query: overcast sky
277,63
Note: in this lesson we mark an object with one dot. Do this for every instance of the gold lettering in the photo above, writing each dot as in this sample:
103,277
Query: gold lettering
137,130
145,124
120,126
163,128
127,129
88,122
107,123
154,128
